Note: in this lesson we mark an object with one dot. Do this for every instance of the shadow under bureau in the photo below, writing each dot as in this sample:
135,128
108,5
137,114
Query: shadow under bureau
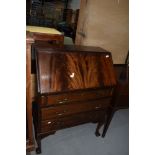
75,86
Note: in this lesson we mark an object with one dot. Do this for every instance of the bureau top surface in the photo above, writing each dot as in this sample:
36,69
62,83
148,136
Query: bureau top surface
68,68
45,46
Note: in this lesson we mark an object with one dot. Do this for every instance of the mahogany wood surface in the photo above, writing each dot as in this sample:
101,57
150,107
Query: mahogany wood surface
30,140
64,110
73,96
69,121
72,69
59,38
75,86
30,39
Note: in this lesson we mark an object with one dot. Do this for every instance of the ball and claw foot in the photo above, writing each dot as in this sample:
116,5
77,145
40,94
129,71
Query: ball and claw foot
97,134
38,150
103,135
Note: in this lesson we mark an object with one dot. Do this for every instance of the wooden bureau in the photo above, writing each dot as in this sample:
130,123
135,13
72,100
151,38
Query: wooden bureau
46,34
75,86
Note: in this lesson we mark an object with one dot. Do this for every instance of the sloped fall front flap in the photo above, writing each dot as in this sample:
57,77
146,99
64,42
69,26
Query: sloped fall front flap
73,68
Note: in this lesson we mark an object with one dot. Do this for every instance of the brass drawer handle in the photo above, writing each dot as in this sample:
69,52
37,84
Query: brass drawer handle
64,101
49,122
97,107
60,114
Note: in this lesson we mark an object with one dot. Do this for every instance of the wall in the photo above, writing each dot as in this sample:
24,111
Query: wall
74,4
104,23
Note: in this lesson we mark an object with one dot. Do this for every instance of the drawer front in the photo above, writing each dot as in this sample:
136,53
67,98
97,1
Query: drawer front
69,121
64,110
76,96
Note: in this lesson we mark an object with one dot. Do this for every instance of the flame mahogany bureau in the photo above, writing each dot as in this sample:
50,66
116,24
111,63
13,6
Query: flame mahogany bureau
75,86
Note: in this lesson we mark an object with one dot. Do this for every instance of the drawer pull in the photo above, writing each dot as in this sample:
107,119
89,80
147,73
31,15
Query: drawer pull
60,114
49,122
97,107
61,102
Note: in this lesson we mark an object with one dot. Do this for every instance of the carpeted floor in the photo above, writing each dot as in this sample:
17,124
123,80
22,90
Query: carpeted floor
80,140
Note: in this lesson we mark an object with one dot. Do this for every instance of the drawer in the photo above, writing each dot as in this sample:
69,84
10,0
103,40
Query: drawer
64,110
76,96
69,121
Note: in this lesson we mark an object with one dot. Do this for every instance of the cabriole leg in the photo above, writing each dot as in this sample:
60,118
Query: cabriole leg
99,125
38,149
110,113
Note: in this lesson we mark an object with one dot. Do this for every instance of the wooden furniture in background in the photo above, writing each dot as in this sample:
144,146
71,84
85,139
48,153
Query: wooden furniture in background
121,97
46,13
29,131
46,34
42,34
34,34
75,86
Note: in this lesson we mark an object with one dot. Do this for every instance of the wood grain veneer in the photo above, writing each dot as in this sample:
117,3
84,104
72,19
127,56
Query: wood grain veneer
75,86
71,70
